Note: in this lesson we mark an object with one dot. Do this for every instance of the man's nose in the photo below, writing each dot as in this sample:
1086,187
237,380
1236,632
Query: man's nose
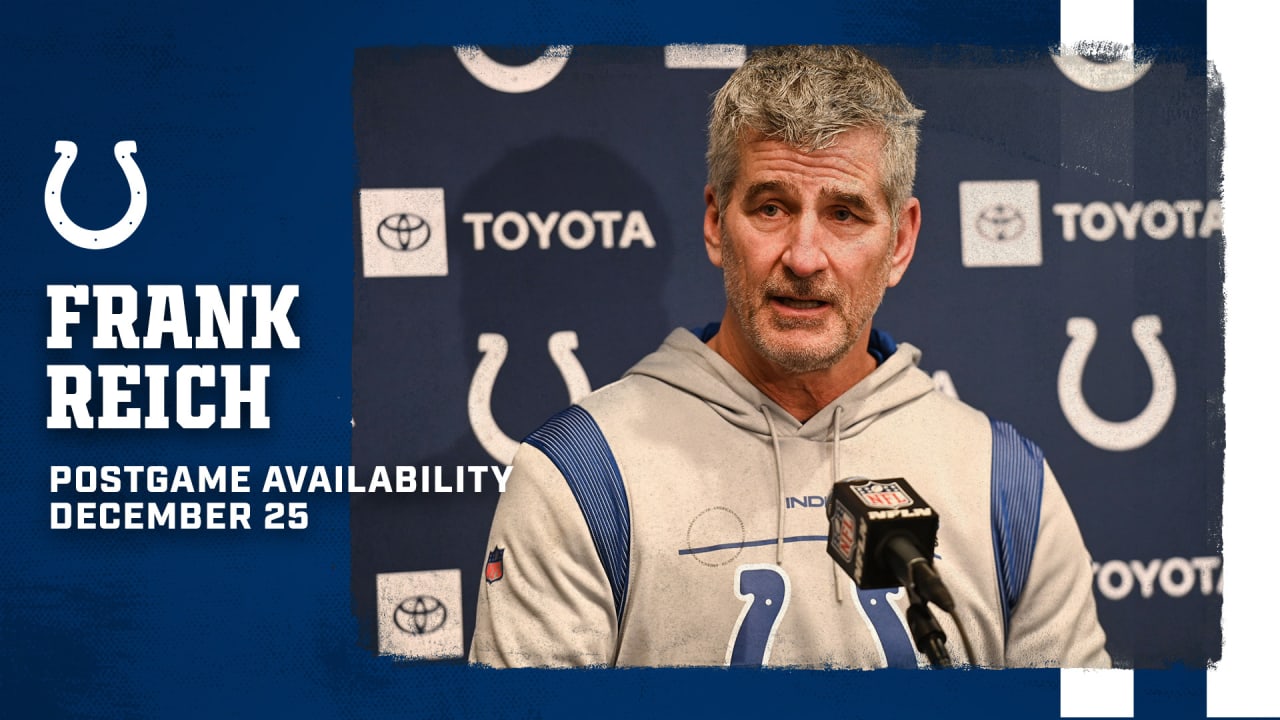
805,254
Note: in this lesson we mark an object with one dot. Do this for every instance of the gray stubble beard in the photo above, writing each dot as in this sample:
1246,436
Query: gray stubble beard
852,310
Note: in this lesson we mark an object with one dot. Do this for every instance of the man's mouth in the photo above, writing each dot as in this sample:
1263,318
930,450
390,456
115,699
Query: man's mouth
798,303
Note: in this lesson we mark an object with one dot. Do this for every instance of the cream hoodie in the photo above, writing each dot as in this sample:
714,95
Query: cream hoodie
677,517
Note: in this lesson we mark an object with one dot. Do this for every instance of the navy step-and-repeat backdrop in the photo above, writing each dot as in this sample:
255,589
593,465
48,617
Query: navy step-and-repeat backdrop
530,227
286,288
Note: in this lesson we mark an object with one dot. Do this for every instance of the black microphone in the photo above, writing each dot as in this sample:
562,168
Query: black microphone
883,535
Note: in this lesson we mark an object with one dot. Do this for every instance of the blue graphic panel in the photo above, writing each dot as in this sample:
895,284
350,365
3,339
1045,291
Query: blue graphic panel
255,132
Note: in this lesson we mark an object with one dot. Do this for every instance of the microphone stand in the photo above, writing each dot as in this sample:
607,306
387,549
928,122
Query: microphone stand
925,631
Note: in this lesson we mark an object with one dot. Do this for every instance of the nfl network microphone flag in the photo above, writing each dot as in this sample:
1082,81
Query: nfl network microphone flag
864,515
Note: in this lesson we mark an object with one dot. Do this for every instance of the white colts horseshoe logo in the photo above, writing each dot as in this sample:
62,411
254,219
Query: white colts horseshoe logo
514,78
95,239
1077,22
1100,77
479,408
1130,434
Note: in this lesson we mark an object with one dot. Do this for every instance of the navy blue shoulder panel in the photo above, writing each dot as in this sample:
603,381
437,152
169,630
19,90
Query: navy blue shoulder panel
1017,485
573,441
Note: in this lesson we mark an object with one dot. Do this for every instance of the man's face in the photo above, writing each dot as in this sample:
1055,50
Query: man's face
808,247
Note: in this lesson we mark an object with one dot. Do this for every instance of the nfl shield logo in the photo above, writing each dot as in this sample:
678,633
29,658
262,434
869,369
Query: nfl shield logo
883,495
493,568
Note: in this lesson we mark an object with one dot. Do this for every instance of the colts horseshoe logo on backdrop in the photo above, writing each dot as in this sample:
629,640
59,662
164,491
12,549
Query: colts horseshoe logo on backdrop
479,407
95,239
514,78
1099,76
1133,433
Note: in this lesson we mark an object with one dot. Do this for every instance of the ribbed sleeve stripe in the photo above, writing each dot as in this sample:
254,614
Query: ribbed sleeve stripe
1017,483
573,441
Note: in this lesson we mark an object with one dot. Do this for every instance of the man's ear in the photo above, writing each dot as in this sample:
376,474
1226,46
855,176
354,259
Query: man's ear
905,241
711,227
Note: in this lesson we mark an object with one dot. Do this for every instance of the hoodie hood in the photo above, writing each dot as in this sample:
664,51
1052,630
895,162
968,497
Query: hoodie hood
684,361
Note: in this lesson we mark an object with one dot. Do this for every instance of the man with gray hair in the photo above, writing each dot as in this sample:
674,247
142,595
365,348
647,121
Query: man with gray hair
654,523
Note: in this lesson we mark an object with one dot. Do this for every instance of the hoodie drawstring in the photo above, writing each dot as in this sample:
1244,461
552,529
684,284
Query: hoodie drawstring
777,463
836,573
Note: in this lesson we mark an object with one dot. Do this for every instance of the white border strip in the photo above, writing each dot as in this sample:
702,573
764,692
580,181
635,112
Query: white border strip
1091,21
1239,35
1096,693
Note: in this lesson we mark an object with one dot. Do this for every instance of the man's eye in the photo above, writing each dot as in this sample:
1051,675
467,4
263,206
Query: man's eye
842,214
770,210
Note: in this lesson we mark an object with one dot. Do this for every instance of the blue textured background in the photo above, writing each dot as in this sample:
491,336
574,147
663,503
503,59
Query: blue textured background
243,119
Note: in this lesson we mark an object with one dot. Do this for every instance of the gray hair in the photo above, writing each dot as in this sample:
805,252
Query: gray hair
806,96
